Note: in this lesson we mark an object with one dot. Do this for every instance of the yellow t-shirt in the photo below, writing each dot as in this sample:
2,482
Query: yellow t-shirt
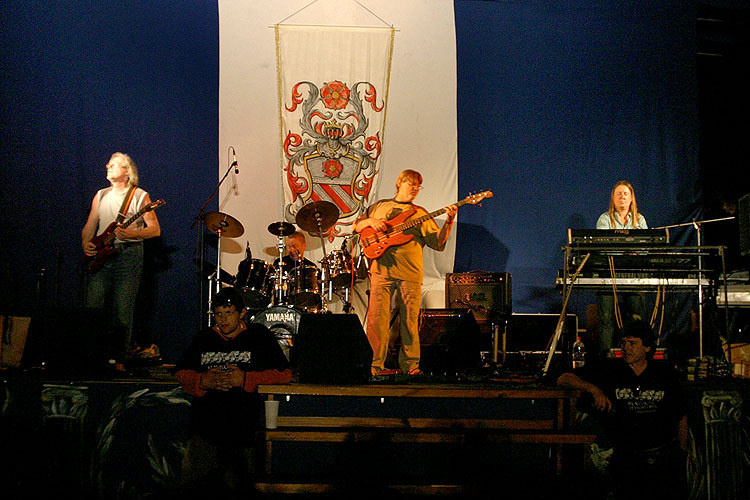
404,262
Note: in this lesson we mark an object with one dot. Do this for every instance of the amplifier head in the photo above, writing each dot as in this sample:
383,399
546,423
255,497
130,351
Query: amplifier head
488,295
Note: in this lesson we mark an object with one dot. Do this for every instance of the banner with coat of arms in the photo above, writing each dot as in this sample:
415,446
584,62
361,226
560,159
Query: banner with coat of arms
333,90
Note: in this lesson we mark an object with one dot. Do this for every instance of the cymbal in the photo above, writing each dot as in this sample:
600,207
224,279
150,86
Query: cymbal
208,270
281,228
307,217
229,226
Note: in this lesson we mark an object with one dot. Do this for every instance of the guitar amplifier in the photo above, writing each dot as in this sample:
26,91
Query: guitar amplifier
450,341
488,295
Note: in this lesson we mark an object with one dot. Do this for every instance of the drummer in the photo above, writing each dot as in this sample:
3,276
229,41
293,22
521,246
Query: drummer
296,244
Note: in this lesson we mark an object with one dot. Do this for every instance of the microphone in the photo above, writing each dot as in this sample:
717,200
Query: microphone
234,161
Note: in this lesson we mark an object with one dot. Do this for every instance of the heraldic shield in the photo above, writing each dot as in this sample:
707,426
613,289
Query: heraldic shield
332,180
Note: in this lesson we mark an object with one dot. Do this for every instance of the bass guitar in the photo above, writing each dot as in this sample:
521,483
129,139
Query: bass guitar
375,243
105,242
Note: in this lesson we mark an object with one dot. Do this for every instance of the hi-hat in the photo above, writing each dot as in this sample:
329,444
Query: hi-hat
228,225
323,212
281,228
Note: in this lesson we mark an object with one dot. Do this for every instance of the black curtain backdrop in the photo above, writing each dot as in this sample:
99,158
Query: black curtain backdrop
558,100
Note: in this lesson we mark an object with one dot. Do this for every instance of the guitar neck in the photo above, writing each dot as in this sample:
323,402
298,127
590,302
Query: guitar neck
415,222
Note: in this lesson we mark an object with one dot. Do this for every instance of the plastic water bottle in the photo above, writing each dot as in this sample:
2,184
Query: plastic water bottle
578,353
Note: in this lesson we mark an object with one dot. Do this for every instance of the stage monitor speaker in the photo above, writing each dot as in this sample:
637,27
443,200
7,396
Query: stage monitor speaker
450,341
526,337
532,332
77,342
488,295
331,349
744,214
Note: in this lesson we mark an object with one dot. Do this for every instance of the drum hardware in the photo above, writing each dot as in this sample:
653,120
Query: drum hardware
281,229
280,286
315,218
206,269
223,225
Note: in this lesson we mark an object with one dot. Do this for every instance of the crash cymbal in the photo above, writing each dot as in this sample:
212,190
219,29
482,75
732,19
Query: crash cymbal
281,228
229,226
308,215
208,270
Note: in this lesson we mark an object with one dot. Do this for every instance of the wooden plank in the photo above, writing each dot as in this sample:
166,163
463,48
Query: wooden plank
416,391
414,423
327,488
340,436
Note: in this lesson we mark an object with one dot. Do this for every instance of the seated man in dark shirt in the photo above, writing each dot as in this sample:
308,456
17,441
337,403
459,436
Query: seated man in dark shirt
642,412
222,369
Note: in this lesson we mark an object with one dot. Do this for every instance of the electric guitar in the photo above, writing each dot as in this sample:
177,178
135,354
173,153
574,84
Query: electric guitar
105,242
375,243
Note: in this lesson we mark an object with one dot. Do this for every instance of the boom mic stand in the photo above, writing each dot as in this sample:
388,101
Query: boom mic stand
200,243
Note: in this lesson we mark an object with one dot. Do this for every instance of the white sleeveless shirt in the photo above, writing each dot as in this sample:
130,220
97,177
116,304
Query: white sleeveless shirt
109,207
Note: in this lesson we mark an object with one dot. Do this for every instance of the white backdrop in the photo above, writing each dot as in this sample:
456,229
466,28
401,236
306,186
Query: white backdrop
420,131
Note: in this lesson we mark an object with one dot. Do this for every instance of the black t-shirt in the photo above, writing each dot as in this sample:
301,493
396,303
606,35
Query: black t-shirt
647,407
230,416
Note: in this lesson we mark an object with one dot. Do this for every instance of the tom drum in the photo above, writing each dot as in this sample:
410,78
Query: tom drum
253,279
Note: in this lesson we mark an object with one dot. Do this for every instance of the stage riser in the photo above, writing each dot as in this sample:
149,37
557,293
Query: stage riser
56,431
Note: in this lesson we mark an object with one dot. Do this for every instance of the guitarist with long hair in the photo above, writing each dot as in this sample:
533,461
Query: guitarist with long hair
117,279
399,270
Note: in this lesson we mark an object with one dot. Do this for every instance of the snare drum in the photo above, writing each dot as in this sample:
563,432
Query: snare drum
305,286
339,268
253,280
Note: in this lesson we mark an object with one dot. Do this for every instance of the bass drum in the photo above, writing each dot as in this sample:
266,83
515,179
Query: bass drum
253,279
283,321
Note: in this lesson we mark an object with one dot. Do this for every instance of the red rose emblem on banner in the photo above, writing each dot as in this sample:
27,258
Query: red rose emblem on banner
332,168
335,95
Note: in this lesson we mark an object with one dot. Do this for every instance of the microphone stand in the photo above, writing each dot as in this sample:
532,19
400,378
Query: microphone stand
698,231
201,243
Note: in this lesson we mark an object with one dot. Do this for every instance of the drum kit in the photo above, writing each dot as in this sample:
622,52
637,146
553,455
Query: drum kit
280,287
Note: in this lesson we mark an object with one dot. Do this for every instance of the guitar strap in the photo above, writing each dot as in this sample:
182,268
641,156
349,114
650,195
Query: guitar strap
126,204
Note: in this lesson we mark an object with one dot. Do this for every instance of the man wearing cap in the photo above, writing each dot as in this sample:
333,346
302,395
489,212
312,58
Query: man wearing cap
642,412
222,369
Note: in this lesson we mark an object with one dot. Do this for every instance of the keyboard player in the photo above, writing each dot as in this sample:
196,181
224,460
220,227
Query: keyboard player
622,214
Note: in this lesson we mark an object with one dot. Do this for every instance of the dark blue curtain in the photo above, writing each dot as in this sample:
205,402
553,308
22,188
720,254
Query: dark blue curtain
80,80
557,101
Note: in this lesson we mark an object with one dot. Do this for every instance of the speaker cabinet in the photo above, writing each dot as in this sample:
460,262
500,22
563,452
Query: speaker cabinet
77,342
450,341
488,295
331,349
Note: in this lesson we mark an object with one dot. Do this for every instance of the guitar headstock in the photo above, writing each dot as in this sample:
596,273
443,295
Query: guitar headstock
477,198
156,203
